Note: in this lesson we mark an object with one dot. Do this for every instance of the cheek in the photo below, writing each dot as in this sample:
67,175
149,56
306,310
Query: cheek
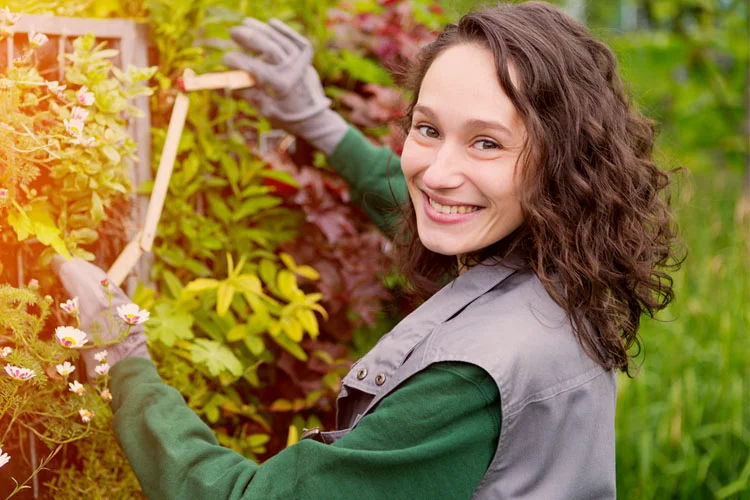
506,189
413,158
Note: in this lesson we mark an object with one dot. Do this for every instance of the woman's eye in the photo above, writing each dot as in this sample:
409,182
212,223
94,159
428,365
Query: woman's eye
488,145
428,131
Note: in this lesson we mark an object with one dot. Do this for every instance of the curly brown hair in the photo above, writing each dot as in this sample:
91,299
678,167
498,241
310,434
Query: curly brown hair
598,230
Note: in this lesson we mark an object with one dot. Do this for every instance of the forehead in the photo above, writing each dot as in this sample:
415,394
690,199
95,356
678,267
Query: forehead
462,84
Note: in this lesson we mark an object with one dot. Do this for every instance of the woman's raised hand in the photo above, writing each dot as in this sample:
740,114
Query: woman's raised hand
289,92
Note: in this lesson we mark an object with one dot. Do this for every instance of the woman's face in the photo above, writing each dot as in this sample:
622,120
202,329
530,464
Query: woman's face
459,158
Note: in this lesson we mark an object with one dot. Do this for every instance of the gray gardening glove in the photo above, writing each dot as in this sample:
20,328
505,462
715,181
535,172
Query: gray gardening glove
289,92
84,280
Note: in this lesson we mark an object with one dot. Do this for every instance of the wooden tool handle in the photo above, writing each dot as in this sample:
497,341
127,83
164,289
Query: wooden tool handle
126,261
225,80
164,174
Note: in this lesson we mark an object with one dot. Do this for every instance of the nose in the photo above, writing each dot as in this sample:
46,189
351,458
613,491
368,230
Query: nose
445,171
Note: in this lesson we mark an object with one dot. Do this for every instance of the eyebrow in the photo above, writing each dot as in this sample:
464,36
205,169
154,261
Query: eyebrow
474,123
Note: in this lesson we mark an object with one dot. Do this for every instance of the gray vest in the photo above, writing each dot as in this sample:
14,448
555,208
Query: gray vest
558,407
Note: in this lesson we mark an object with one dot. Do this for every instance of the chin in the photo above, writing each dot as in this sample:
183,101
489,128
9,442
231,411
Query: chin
443,247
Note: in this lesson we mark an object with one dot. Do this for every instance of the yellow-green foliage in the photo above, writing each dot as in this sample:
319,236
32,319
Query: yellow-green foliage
61,186
58,188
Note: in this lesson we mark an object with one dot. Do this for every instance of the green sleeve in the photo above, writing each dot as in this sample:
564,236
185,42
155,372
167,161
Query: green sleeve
432,438
374,176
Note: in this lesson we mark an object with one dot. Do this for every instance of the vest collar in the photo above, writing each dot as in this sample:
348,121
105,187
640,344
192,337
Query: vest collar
377,368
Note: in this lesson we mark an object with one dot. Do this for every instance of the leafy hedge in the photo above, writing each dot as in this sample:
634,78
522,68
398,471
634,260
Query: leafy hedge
253,249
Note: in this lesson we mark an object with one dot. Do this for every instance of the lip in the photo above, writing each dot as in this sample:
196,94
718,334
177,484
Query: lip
448,201
442,218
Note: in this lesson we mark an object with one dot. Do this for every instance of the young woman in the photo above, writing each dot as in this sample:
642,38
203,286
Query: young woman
527,179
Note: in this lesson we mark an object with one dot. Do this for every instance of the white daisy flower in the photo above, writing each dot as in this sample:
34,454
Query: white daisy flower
36,40
10,18
84,97
77,388
70,306
56,88
65,369
79,113
19,373
74,127
101,356
102,369
70,337
86,415
132,314
84,141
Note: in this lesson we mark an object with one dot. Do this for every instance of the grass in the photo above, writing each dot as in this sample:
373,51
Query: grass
683,423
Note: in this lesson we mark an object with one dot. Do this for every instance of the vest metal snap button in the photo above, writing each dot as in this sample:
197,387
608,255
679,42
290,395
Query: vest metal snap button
362,374
314,434
380,379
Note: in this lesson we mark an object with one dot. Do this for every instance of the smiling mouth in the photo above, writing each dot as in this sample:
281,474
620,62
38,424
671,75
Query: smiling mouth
452,209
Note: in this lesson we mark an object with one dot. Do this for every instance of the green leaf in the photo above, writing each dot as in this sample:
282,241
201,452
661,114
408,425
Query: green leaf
236,333
364,69
39,222
287,283
248,283
97,208
190,167
169,324
280,176
255,344
288,261
216,357
111,153
291,347
84,235
280,405
267,271
255,440
308,321
218,207
230,168
307,272
200,285
255,205
255,190
292,328
172,283
197,267
224,298
21,224
260,318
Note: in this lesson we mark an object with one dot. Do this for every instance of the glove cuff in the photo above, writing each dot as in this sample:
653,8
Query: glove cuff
133,345
323,130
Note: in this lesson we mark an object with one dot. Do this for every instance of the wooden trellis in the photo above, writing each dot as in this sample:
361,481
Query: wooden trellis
131,40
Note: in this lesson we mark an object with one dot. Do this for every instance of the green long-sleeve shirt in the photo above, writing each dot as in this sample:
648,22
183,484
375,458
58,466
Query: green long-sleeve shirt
376,183
432,438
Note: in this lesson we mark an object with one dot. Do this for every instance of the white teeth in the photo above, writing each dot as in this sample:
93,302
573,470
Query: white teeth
448,209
